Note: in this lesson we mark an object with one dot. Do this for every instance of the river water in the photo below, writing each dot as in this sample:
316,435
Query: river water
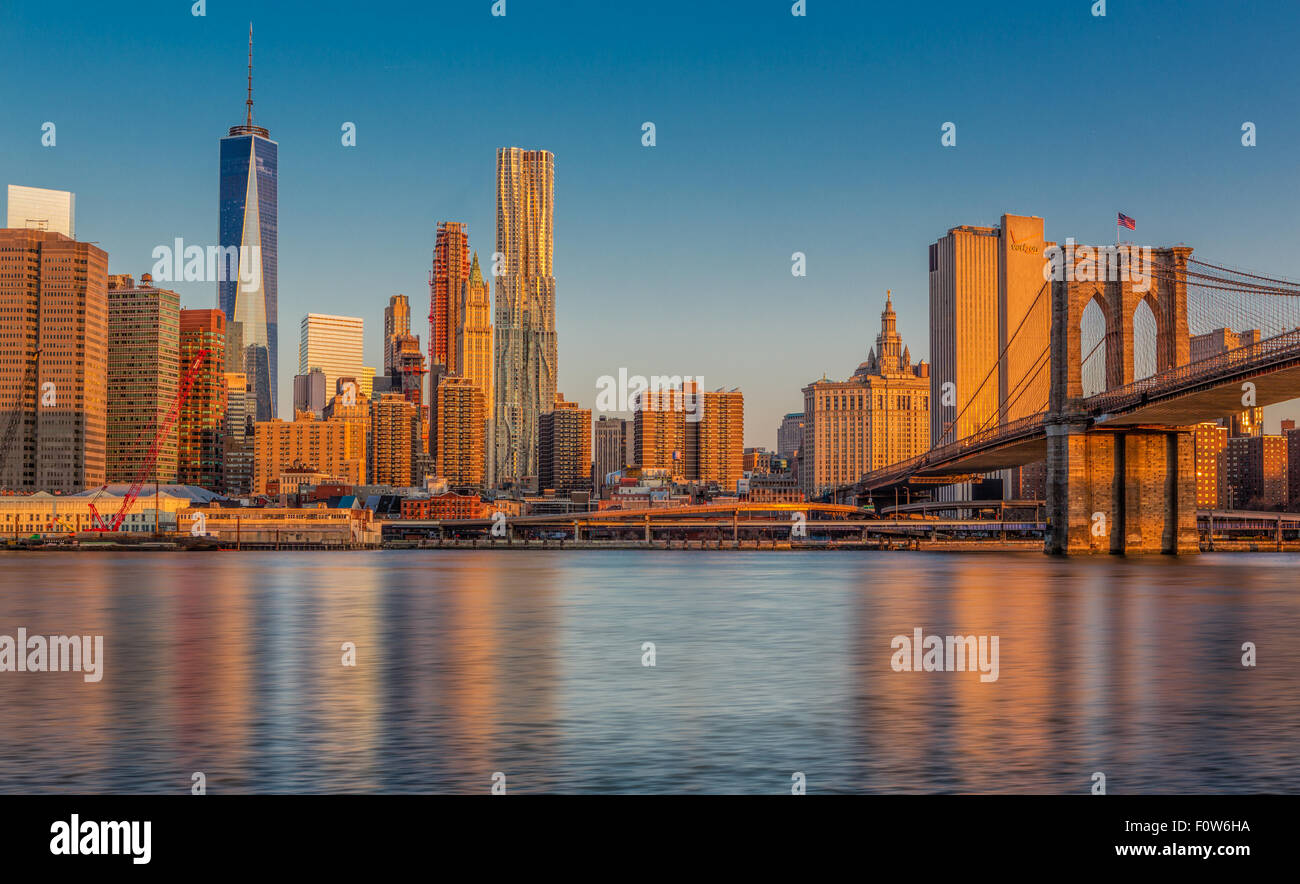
530,664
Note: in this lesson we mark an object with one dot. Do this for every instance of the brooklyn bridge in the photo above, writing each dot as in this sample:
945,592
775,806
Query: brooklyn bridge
1108,406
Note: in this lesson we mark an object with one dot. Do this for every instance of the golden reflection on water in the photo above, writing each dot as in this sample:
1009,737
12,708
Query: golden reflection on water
468,663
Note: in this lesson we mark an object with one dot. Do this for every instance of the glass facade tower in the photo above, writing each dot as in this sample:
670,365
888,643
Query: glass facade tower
247,287
248,234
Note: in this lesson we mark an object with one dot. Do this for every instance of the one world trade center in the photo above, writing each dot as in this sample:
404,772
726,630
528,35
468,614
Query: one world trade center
246,282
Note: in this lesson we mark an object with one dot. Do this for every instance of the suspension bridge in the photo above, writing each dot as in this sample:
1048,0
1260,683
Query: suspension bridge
1103,379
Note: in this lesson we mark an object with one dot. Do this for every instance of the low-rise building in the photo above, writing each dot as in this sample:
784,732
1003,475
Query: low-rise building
315,525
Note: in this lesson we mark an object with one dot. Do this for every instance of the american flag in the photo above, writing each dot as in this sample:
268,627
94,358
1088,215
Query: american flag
1126,221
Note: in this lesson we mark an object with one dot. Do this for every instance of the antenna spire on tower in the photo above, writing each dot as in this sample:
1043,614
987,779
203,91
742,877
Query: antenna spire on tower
250,74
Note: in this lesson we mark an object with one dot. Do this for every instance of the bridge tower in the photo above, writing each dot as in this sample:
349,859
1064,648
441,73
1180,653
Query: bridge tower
1125,489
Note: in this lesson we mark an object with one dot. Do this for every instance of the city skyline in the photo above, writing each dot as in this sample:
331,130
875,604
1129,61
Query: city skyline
618,198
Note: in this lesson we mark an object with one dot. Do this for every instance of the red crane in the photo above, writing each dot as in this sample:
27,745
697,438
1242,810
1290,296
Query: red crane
187,383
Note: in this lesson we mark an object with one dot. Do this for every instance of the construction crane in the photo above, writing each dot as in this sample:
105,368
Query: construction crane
11,429
151,459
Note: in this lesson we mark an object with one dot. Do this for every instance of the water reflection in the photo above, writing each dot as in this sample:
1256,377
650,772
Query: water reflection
468,663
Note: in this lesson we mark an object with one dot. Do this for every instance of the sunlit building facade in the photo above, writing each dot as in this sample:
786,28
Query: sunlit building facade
988,327
143,373
397,324
1210,440
526,361
395,438
461,411
36,208
334,345
53,361
248,224
721,446
201,423
879,416
333,447
564,448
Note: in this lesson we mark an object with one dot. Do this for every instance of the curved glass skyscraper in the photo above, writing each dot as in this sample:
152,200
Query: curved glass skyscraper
246,286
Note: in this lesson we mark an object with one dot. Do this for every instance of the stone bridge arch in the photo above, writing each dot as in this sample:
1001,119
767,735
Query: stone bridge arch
1163,285
1130,490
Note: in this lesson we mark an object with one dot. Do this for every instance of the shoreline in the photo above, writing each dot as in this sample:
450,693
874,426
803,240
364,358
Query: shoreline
914,545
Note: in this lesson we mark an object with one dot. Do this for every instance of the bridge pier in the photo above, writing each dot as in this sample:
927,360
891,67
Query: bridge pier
1117,489
1127,492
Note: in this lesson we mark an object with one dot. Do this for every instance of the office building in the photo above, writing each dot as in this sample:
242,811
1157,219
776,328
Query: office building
248,233
309,392
334,345
789,436
608,449
53,361
201,422
474,334
35,208
143,374
526,360
879,416
237,438
564,448
987,331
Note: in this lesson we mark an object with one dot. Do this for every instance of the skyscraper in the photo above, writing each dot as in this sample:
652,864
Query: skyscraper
143,375
525,362
879,416
202,416
446,284
53,356
310,392
35,208
334,345
789,436
474,335
988,327
248,232
397,324
237,441
608,450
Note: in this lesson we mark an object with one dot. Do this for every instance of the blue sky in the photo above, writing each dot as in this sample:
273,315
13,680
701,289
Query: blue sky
775,134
